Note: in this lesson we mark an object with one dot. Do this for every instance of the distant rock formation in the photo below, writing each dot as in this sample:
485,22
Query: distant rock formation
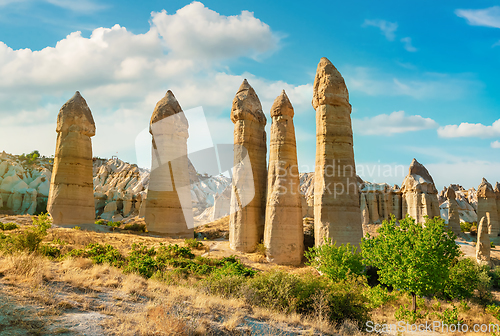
168,204
283,235
337,214
246,223
487,207
483,246
24,188
419,194
453,215
71,199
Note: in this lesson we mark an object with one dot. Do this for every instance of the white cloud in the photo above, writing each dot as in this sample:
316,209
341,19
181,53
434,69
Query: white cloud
394,123
426,86
470,130
387,28
495,144
488,17
407,44
199,33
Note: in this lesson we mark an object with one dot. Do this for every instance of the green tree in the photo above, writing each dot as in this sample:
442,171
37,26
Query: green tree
412,257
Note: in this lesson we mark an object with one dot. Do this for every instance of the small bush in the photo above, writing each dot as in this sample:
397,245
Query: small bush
261,249
50,251
449,316
135,227
463,279
100,254
495,277
193,243
29,240
100,222
8,226
114,224
466,226
335,262
405,314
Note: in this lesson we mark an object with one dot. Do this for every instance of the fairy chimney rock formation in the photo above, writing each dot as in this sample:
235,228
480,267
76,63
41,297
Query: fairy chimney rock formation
248,195
283,235
483,246
453,215
419,194
71,197
337,213
168,207
487,207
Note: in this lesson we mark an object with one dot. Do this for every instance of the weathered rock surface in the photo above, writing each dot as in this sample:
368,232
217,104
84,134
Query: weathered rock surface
337,213
487,207
71,199
419,194
168,205
283,235
483,246
248,197
453,215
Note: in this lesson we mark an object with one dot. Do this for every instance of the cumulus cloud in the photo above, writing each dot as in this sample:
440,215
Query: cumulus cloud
488,17
394,123
387,29
407,44
426,86
470,130
198,32
495,144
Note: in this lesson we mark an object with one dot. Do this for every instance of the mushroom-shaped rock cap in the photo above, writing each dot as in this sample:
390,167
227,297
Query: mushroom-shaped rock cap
282,106
416,168
329,86
485,189
166,107
450,193
75,116
246,105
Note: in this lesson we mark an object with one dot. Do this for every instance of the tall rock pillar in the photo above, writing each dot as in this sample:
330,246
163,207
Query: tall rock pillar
71,196
169,210
337,214
248,195
487,207
283,235
453,215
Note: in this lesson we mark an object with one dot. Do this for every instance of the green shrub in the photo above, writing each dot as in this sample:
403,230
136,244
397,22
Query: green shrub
8,226
378,296
494,310
100,222
466,226
29,239
405,314
193,243
141,260
449,316
463,279
495,277
50,251
222,284
100,254
135,227
335,262
114,224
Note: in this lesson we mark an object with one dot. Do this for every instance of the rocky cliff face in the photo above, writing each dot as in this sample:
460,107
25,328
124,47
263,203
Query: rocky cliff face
24,187
119,187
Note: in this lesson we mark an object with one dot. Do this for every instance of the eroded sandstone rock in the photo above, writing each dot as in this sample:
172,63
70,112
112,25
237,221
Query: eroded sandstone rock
453,215
168,204
283,235
248,196
337,213
71,199
487,207
419,194
483,246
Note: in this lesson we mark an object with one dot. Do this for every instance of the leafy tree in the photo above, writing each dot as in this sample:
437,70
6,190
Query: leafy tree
336,262
412,257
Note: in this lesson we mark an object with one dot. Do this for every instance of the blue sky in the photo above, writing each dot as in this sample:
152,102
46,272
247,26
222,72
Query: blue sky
423,78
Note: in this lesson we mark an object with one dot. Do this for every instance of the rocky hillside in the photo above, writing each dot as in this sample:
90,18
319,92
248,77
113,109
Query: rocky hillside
120,189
